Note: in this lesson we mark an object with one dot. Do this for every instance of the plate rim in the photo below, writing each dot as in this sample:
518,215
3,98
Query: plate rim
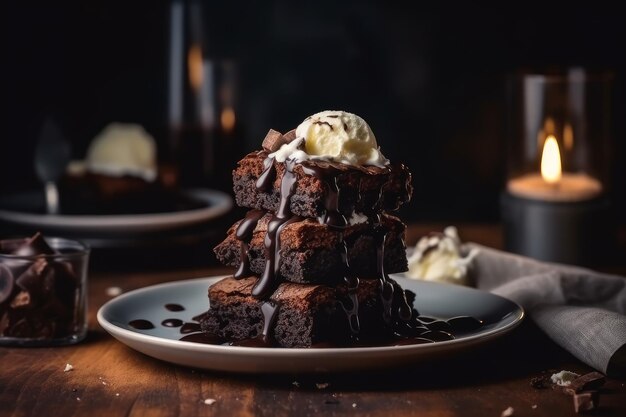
296,352
220,201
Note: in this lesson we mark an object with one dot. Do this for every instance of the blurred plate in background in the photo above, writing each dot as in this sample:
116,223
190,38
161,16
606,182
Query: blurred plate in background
21,209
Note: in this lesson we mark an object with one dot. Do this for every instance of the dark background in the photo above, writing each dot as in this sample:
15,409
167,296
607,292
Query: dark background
429,79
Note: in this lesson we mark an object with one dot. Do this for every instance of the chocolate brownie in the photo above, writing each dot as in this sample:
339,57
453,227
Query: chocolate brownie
312,252
89,193
363,189
308,315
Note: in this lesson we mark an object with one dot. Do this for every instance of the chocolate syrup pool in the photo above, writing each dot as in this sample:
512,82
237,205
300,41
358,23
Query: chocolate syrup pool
426,329
406,326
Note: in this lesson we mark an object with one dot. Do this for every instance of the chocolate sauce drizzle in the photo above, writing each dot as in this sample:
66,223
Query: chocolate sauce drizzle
244,235
397,311
267,177
333,218
269,310
269,280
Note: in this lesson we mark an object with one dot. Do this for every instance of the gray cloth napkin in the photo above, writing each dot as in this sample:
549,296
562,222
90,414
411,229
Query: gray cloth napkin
581,310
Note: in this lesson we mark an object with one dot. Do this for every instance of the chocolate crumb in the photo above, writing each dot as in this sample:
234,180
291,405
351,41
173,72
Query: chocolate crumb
322,385
590,381
508,412
539,382
113,291
586,401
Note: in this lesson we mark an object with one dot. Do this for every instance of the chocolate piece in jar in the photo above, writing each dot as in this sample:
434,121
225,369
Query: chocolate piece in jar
42,291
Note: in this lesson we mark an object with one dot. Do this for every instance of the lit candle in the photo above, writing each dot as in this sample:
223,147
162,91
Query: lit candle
555,206
548,214
552,184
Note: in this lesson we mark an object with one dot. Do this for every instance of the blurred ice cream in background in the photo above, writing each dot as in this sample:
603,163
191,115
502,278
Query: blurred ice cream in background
121,149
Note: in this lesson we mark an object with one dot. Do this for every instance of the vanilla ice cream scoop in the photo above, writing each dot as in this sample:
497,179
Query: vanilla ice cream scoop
439,257
336,136
123,149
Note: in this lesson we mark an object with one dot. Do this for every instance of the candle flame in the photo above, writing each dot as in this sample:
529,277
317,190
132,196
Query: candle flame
551,161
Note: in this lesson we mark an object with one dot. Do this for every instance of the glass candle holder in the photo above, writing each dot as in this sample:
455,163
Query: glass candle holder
43,291
555,206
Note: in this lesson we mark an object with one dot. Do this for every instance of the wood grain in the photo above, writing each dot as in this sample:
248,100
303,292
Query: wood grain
110,379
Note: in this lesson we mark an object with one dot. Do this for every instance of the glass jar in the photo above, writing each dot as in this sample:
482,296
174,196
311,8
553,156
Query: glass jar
43,291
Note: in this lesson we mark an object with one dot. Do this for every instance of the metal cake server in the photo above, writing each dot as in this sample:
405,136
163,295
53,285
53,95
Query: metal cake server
52,155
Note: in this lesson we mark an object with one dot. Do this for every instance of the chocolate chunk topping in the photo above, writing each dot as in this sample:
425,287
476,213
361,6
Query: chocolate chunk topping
291,135
273,141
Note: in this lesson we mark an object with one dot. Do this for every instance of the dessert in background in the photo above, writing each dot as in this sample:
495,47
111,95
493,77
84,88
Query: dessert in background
440,257
123,150
121,175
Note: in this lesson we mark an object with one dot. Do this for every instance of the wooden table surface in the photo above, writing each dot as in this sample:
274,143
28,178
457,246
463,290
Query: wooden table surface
110,379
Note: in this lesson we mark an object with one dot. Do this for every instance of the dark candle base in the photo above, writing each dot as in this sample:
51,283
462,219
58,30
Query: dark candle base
576,233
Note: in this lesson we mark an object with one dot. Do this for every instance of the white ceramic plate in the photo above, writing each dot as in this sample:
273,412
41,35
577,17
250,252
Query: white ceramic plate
440,300
217,202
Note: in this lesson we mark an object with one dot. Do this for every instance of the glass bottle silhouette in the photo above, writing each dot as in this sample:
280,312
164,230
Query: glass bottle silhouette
201,102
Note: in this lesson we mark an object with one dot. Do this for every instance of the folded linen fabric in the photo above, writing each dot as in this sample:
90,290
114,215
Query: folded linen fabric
581,310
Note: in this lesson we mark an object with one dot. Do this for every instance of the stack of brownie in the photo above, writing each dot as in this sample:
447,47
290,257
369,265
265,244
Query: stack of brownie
312,254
